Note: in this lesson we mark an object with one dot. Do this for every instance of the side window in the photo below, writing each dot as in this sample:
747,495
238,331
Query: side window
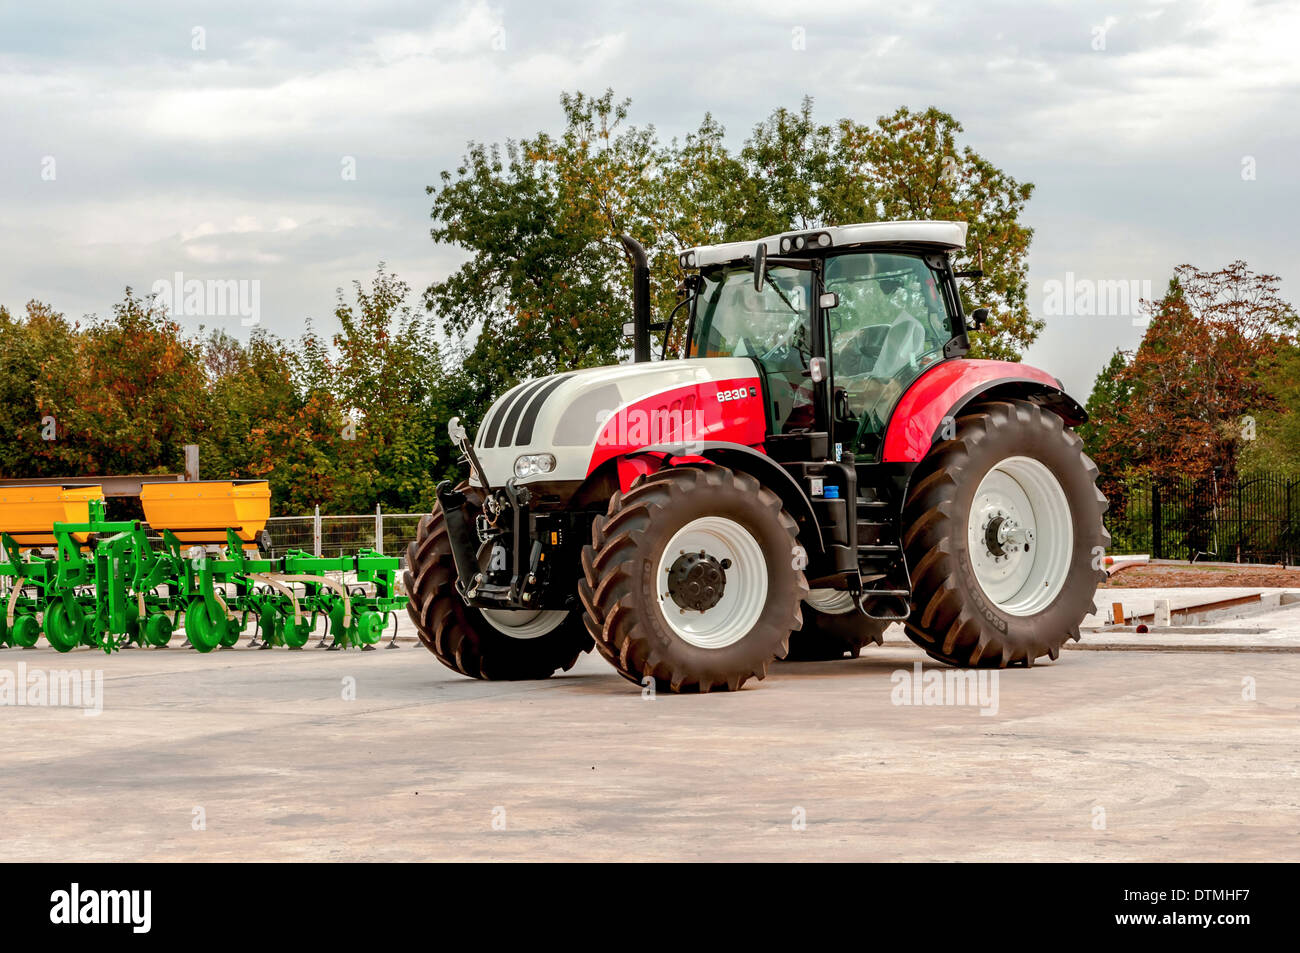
891,324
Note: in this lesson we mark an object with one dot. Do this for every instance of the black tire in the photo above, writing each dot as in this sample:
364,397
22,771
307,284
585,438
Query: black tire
621,592
459,635
952,617
830,636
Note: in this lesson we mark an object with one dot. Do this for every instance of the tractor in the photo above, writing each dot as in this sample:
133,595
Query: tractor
821,461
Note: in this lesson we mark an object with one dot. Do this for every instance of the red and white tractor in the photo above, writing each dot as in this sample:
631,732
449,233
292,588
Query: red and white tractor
822,461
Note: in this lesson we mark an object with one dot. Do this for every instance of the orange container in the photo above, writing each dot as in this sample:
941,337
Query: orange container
202,511
28,513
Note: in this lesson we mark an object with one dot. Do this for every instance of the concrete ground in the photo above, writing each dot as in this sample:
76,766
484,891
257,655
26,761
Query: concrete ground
247,755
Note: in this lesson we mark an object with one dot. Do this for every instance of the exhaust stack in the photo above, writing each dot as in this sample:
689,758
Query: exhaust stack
640,299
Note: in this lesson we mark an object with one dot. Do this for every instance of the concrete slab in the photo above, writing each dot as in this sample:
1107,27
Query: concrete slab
1142,602
1099,756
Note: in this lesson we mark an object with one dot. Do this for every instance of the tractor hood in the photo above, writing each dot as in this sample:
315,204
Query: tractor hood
586,417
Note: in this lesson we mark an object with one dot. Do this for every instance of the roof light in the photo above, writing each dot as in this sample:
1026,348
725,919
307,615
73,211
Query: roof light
785,244
798,242
823,239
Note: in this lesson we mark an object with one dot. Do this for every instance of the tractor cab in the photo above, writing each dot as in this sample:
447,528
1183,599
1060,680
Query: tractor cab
877,303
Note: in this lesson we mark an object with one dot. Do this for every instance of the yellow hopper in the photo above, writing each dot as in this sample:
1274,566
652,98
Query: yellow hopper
202,511
28,513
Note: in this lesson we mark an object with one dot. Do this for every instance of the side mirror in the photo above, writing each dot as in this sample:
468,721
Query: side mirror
760,266
979,317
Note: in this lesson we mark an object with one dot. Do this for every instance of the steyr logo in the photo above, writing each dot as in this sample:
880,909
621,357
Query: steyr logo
97,907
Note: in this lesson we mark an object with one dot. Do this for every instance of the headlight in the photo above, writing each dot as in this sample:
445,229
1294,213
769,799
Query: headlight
531,464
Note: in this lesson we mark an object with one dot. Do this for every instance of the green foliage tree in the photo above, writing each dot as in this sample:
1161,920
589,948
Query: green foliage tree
546,288
916,169
1104,433
33,347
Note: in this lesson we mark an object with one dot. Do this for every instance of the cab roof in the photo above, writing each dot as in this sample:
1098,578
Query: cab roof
948,236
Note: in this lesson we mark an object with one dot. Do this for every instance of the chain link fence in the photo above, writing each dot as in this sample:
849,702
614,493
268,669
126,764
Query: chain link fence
333,536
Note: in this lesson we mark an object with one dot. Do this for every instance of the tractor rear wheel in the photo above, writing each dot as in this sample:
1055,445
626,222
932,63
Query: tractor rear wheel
691,579
1003,534
494,644
833,629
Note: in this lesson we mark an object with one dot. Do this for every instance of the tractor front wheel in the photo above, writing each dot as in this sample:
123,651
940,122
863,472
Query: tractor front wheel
494,644
1003,534
691,581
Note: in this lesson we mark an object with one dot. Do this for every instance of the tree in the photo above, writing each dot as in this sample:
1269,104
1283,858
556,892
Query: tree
1107,407
40,344
1183,403
388,380
126,398
546,286
915,169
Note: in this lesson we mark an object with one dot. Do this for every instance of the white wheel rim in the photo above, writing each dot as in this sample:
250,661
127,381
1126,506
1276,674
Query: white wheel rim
831,601
524,623
1023,505
744,593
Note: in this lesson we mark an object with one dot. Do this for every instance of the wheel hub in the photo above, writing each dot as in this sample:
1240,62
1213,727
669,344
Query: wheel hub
1004,536
697,580
1020,535
712,582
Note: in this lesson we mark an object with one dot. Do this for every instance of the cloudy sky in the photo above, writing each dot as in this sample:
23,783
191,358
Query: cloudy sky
138,140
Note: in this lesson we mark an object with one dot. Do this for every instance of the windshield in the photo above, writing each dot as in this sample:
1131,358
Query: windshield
771,326
734,320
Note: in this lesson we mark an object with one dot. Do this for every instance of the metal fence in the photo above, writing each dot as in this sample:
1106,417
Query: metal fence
388,533
1250,518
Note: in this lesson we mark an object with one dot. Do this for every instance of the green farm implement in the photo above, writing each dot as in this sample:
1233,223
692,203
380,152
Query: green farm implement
68,572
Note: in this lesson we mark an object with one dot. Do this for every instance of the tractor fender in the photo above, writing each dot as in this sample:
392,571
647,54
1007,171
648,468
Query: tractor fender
944,390
764,469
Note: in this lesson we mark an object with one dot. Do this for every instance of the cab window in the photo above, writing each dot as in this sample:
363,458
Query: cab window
891,324
770,325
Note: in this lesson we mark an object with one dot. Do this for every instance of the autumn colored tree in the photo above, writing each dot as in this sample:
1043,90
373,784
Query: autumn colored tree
126,397
1184,402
